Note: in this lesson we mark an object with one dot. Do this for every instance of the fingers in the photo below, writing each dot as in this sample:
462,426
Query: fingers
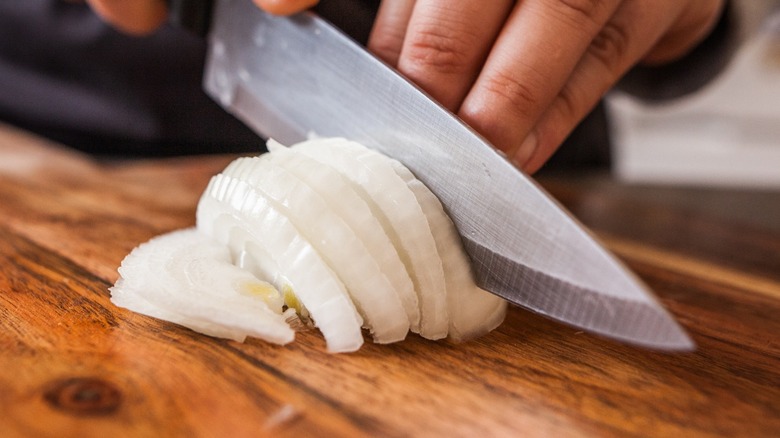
438,44
528,65
137,17
285,7
141,17
620,44
525,73
609,56
447,43
692,26
389,30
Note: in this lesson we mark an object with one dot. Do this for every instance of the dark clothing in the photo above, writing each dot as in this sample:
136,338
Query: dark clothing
68,76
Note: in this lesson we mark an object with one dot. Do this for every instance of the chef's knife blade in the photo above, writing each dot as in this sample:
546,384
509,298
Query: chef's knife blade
292,77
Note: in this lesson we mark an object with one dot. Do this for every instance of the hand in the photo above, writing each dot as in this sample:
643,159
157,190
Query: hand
142,17
524,73
285,7
136,17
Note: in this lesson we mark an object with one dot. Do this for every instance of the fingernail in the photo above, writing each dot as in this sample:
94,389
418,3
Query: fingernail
526,149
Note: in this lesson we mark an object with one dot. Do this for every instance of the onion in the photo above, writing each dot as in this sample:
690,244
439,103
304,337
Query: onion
186,278
372,176
472,311
328,230
233,213
333,238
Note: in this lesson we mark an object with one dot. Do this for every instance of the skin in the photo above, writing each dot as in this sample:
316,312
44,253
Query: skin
522,73
135,17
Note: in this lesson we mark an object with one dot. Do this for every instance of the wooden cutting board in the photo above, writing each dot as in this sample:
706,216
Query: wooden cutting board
72,364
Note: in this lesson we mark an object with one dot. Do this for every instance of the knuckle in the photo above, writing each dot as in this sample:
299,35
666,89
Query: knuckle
570,105
509,93
610,47
583,10
439,51
503,110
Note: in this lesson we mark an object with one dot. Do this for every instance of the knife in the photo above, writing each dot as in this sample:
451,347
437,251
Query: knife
288,78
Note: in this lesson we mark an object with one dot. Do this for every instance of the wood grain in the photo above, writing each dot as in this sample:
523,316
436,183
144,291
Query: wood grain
72,364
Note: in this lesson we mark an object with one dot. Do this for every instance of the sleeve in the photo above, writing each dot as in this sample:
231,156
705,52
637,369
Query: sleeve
691,72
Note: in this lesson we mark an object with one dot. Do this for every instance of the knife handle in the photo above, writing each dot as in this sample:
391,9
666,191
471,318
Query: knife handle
193,15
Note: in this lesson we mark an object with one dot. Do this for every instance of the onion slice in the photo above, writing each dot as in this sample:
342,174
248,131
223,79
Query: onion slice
473,311
232,212
356,211
326,231
373,177
187,278
347,249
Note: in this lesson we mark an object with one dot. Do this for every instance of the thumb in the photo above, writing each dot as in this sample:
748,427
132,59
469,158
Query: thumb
285,7
136,17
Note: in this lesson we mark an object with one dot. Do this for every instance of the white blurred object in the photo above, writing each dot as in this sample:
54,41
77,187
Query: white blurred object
727,134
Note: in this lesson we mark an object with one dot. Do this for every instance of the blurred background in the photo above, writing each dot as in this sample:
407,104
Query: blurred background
727,134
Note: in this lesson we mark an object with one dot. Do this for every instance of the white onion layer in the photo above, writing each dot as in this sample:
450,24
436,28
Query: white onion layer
472,310
347,250
233,213
342,235
394,204
187,278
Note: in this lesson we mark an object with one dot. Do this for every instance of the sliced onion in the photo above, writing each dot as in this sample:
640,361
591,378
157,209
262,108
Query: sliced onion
339,234
349,251
472,310
397,209
187,278
345,201
232,212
